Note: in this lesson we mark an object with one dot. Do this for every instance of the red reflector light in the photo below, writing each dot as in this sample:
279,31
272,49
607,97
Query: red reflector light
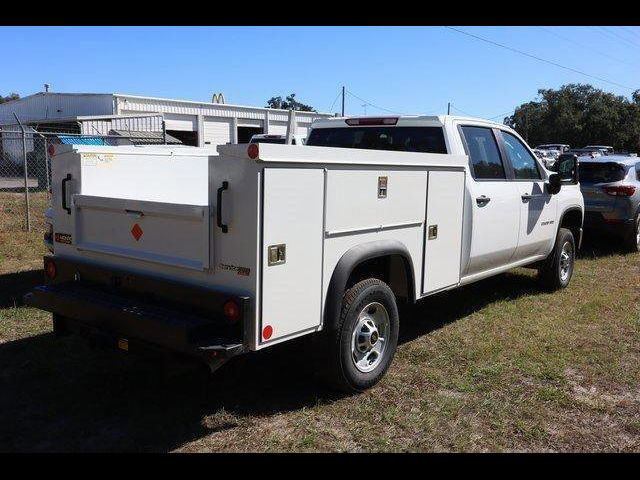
51,150
620,190
231,310
372,121
50,269
267,332
252,151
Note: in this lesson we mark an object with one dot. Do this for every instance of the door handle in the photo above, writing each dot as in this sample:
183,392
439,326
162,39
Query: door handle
482,200
223,227
64,194
526,197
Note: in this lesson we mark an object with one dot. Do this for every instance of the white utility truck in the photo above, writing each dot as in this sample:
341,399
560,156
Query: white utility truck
215,253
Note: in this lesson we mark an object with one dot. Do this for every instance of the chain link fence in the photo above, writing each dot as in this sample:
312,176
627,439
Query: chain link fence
25,163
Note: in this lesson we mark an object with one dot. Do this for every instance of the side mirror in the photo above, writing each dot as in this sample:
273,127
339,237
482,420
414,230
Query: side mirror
567,168
554,184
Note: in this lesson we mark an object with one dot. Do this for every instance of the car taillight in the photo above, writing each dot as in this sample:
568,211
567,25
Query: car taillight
620,190
253,151
51,150
231,310
50,269
372,121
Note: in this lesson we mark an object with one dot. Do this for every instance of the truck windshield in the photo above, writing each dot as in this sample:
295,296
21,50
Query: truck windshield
405,139
592,172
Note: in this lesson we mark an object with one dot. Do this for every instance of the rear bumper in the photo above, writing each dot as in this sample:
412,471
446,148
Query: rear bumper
607,223
126,315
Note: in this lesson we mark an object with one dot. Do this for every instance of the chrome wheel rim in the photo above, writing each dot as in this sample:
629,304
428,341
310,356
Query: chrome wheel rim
566,261
369,337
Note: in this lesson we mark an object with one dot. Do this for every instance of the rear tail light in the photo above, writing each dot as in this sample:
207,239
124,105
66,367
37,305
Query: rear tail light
231,310
253,151
50,269
372,121
51,149
620,190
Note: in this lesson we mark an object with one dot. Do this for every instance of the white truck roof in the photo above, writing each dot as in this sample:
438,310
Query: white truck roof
406,121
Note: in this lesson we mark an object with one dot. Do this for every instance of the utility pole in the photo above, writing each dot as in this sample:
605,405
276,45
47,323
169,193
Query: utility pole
448,108
343,100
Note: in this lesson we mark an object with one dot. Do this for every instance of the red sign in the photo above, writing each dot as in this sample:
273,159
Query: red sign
137,232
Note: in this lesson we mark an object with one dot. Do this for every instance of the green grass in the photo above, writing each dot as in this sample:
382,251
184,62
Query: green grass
496,366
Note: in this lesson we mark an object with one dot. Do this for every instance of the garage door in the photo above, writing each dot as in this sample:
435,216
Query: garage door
185,123
217,131
280,128
250,122
277,128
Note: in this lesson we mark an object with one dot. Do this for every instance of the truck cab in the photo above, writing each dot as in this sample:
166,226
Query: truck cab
213,253
511,218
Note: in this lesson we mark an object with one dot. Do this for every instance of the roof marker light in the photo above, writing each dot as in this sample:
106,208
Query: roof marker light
372,121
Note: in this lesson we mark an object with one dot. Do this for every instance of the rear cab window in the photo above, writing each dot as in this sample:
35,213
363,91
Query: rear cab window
402,139
484,155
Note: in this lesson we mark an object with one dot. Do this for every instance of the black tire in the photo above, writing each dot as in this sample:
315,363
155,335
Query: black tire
632,238
342,372
60,328
555,273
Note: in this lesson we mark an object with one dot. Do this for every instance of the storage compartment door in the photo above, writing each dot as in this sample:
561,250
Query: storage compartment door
167,233
443,240
291,252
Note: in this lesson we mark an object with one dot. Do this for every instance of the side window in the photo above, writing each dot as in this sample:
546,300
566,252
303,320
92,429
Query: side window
523,163
486,161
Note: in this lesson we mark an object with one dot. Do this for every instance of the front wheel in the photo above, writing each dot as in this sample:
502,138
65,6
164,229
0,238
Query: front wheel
364,342
557,270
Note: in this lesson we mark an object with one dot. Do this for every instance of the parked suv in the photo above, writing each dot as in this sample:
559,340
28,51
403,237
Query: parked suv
611,189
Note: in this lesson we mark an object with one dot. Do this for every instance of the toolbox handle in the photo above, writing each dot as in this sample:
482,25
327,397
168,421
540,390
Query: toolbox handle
223,226
64,194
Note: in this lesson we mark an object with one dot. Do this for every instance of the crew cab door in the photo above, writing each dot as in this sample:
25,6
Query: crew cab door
537,207
494,202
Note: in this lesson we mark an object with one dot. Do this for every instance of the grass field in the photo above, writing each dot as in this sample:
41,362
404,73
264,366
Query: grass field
496,366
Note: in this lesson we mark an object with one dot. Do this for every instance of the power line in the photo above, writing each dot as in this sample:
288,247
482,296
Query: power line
462,111
584,46
510,112
632,31
477,37
372,104
615,35
334,101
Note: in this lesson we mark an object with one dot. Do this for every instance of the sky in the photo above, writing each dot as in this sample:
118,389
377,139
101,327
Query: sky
409,70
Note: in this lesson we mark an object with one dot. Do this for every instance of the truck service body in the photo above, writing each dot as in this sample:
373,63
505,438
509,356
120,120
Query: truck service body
215,253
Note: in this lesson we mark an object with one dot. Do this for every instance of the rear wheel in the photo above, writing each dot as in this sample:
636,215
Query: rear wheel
632,239
364,342
557,270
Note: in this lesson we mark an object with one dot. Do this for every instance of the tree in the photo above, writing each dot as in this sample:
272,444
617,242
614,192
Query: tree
8,98
290,103
579,115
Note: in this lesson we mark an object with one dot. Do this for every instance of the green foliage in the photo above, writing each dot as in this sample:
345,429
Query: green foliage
8,98
580,115
290,103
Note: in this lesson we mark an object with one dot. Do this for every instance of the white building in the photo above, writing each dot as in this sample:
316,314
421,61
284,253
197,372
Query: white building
194,123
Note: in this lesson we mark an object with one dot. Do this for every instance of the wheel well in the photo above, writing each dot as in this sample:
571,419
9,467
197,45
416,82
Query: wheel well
572,219
387,260
392,269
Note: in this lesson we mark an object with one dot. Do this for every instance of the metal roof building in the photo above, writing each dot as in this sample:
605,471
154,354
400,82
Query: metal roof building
194,123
